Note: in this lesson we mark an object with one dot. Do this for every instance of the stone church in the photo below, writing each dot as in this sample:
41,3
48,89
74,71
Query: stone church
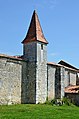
30,78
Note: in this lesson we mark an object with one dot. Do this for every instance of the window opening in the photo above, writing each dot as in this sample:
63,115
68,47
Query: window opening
41,46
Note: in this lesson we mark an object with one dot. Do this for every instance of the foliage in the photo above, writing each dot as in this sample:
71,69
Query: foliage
53,102
50,102
66,101
59,102
32,111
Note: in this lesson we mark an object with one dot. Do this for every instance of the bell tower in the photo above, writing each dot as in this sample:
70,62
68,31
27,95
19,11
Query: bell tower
35,54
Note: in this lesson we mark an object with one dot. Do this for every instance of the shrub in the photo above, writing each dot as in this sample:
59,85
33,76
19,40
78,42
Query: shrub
48,102
66,101
59,102
53,102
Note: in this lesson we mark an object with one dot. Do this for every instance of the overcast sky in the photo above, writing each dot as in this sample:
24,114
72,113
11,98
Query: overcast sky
59,20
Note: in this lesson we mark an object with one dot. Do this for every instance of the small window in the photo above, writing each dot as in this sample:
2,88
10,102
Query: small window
41,46
69,78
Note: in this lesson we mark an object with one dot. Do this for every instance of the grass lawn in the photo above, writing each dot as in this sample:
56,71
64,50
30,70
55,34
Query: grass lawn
31,111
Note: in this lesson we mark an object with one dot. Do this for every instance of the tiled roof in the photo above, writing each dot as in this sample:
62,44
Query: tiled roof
11,57
72,89
55,64
35,32
62,62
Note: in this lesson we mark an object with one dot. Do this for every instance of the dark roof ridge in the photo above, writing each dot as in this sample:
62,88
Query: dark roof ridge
55,64
62,62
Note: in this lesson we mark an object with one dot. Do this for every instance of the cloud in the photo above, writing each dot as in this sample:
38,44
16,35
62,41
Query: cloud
53,54
45,3
52,3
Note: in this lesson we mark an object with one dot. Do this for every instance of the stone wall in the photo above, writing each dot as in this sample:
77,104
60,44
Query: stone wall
31,80
17,84
58,82
58,78
35,53
62,74
51,82
29,83
66,78
30,51
74,97
77,80
10,81
54,82
30,55
41,73
73,78
70,77
24,83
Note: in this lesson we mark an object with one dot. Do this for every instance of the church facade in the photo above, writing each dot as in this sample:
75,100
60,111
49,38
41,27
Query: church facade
30,78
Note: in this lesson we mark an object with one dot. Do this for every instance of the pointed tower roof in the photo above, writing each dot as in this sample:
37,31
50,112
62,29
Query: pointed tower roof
35,32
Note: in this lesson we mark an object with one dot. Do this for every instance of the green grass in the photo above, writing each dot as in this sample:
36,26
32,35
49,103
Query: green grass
31,111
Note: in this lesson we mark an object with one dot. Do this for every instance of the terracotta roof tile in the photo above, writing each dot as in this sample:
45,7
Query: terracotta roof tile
60,65
72,89
35,32
12,57
53,63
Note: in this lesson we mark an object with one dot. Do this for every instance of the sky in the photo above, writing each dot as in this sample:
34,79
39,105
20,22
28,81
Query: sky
60,24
